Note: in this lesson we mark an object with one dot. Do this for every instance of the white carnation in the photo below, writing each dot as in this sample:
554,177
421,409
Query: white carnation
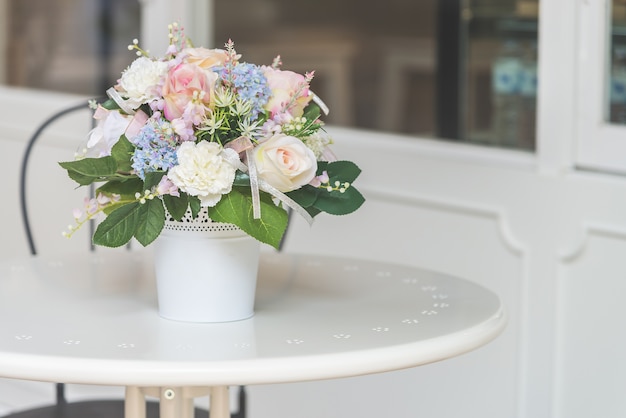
142,80
203,172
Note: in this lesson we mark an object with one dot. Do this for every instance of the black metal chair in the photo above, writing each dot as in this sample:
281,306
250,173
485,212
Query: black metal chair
92,408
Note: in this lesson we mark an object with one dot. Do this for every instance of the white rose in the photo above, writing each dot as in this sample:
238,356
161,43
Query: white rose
142,81
203,172
285,162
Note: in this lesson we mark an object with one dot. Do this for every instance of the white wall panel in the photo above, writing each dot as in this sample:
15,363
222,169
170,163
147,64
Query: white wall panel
593,341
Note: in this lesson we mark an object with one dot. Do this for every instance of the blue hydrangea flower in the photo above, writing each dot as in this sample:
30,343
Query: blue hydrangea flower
249,83
155,148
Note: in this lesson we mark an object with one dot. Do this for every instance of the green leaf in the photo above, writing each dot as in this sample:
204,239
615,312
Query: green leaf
124,187
339,170
108,209
195,206
96,167
312,112
313,211
122,151
315,200
81,179
337,203
152,179
110,104
236,208
241,179
305,196
118,227
89,170
150,221
176,206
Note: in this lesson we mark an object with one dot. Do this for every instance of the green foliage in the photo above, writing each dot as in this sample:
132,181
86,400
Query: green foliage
90,170
194,205
118,227
140,213
312,112
144,221
335,201
110,104
152,179
236,208
176,206
150,221
122,152
125,187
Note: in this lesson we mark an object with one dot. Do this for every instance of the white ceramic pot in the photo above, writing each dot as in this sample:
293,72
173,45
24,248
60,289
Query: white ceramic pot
205,271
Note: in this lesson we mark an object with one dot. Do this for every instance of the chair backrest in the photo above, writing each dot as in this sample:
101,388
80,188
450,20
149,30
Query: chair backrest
24,171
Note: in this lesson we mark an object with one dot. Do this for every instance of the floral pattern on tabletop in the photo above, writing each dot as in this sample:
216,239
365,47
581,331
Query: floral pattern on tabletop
202,128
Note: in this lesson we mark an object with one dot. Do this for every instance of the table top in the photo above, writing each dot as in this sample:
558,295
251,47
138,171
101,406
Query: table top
93,319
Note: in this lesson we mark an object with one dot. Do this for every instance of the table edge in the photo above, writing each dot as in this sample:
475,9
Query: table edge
255,371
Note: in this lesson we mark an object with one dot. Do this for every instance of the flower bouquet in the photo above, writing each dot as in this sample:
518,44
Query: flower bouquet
201,128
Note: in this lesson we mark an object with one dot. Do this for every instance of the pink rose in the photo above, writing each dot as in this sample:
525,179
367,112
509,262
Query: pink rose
285,162
205,58
182,82
290,92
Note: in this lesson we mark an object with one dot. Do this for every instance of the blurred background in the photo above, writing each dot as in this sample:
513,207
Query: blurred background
460,70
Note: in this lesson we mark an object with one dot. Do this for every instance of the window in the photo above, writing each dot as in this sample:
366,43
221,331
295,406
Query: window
73,46
601,144
616,97
462,70
500,74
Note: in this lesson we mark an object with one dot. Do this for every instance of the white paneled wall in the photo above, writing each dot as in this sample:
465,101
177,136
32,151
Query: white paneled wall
593,283
550,245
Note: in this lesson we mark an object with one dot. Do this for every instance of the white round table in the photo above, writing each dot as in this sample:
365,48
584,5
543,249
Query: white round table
93,320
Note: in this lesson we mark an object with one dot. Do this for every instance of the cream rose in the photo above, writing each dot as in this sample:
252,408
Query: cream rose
205,58
203,172
285,162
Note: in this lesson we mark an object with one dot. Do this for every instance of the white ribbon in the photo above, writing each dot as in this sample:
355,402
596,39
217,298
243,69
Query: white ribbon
257,184
117,98
320,103
266,187
254,184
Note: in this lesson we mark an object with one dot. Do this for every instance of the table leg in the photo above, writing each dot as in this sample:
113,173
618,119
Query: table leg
174,403
135,403
220,402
